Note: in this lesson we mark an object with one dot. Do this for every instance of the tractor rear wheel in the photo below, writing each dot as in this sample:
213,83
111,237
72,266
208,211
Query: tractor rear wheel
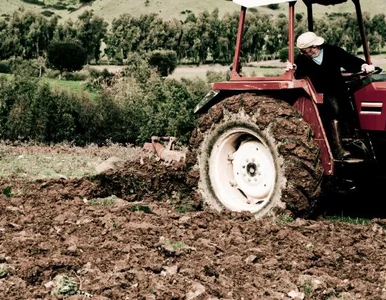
257,154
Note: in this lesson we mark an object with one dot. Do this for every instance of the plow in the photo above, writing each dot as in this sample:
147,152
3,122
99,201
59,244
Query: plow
165,149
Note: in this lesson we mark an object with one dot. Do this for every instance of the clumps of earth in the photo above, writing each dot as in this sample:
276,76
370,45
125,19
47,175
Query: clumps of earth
142,231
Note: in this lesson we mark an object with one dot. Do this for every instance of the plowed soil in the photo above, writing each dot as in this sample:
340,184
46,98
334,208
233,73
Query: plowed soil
141,232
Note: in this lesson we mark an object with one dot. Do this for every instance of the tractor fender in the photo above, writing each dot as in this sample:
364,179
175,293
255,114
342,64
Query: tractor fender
211,98
206,102
306,104
214,96
307,107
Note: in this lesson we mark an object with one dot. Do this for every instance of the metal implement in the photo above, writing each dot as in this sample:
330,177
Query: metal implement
168,152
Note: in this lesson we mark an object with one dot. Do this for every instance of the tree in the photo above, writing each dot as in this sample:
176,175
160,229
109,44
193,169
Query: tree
123,38
91,30
66,56
164,60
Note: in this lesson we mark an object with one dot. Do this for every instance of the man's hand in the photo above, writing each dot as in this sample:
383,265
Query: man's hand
290,66
367,68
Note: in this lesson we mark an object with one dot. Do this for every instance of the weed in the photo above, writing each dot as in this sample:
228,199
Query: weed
64,286
113,223
182,210
3,270
175,245
307,288
283,219
343,219
7,191
144,208
182,202
104,201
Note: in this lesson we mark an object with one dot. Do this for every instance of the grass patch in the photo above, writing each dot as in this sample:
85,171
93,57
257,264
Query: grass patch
45,166
104,201
32,162
343,219
73,86
283,219
175,245
144,208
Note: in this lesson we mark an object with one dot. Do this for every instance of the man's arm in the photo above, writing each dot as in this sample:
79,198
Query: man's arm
352,63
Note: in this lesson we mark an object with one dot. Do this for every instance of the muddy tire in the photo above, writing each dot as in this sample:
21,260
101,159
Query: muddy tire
257,154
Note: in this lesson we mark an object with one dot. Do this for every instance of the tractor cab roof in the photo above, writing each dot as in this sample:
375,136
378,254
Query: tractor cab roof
245,4
256,3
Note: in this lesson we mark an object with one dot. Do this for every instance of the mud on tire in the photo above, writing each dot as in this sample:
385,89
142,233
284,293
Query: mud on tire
257,154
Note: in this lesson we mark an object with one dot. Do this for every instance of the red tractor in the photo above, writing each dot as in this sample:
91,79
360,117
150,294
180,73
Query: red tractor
261,142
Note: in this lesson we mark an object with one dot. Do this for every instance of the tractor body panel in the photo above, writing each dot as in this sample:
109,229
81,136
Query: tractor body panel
371,105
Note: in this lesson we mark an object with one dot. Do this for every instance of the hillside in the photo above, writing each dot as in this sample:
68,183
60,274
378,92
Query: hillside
169,9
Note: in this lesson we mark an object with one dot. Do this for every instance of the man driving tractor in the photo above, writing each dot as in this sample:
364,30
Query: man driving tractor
322,63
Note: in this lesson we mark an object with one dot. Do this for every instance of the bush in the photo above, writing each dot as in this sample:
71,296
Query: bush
132,110
47,13
273,6
283,54
76,76
66,56
137,111
164,60
138,67
5,67
36,2
31,111
217,76
22,67
51,73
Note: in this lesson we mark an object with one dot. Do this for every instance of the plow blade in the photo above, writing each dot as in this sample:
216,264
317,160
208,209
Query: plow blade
166,153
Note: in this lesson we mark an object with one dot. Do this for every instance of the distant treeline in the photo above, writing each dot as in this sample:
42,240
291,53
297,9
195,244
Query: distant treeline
196,39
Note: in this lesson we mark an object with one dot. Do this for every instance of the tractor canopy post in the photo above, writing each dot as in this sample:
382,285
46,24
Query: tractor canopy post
291,36
362,31
310,17
240,30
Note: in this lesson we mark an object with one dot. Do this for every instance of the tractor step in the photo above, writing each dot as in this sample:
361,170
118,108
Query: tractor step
349,160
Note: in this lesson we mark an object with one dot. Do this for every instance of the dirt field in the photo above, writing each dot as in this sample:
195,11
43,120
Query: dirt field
141,232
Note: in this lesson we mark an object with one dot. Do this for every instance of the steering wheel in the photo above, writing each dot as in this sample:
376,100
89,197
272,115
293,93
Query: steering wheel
352,76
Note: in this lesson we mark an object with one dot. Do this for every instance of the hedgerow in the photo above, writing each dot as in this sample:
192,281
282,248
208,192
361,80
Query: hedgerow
136,105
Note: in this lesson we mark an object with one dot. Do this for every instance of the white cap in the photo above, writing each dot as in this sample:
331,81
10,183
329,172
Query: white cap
309,39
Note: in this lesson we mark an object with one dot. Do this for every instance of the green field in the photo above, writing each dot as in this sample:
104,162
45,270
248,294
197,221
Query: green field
169,9
72,86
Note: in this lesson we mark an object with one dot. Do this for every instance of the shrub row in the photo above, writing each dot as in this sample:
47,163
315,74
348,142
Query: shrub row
138,105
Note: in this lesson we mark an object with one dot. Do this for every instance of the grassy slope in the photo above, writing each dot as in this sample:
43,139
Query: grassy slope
169,9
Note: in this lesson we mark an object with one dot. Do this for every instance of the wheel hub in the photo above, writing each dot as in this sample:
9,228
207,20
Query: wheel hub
253,171
242,171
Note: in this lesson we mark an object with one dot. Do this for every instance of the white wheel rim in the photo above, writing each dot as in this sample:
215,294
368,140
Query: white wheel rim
242,170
